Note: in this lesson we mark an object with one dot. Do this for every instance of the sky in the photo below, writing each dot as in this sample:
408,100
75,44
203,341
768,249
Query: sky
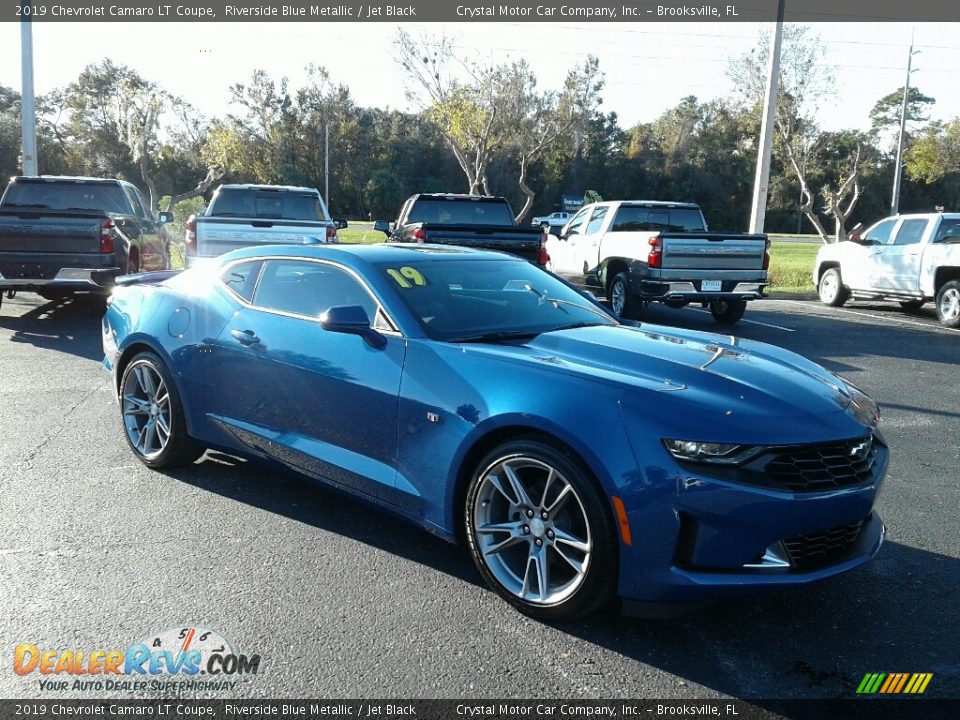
649,66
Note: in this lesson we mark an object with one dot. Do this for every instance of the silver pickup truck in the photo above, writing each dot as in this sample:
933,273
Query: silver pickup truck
243,215
639,251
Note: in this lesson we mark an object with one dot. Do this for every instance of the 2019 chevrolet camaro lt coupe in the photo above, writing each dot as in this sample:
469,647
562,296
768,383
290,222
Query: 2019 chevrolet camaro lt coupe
484,399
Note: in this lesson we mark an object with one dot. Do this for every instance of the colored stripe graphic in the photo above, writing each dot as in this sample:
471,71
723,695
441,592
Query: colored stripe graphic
894,683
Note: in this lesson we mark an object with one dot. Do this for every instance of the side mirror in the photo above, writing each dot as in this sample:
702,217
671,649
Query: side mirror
382,226
352,320
341,223
165,217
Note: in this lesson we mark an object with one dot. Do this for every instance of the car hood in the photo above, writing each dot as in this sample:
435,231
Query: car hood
693,378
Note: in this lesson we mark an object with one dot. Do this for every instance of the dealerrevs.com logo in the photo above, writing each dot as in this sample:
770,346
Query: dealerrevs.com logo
184,653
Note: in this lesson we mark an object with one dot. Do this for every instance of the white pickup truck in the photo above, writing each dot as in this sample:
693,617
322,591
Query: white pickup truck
243,215
640,251
910,258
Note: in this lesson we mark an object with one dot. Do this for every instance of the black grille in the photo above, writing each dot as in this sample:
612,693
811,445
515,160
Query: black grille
819,549
824,467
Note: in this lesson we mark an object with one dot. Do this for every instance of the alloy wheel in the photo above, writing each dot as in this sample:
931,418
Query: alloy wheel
950,304
532,531
145,403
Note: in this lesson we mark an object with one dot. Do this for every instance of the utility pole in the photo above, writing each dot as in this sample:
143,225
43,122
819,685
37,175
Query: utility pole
898,168
28,116
326,165
761,180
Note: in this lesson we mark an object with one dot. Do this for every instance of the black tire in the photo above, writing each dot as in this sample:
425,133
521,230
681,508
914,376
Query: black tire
618,293
911,305
584,513
948,304
138,408
727,312
831,289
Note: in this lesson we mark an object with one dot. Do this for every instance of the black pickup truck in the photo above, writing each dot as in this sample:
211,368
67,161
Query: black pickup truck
60,235
468,221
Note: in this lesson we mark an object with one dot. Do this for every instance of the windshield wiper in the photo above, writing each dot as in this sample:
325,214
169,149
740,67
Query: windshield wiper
498,336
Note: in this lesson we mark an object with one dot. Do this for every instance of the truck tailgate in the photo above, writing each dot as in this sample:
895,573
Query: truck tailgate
523,242
216,235
39,233
713,251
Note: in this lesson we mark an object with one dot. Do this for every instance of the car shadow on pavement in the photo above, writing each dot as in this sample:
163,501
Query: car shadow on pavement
313,503
70,325
896,614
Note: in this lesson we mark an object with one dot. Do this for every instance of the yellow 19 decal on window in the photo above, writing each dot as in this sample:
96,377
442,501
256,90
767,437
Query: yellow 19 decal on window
407,277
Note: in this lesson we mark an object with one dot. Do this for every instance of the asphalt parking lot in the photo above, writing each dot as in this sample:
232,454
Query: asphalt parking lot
96,551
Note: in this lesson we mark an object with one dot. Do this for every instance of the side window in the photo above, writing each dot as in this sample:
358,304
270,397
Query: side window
135,205
630,218
949,231
309,289
576,225
597,220
910,232
142,205
879,234
241,278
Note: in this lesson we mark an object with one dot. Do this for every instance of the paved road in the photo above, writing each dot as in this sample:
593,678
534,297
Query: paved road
96,551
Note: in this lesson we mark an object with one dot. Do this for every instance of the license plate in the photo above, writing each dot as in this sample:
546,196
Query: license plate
710,286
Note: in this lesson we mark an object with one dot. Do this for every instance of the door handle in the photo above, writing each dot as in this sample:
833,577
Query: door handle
245,337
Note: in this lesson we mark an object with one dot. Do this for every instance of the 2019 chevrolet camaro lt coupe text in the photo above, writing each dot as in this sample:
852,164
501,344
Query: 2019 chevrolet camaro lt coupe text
484,399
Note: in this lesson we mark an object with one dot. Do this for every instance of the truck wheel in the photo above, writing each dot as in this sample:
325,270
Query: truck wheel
727,311
619,295
948,304
831,289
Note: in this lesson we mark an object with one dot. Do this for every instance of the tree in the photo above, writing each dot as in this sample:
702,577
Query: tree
804,81
485,111
885,114
936,153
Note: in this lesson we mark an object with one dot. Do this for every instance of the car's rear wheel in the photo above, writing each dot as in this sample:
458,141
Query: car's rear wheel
539,531
152,414
948,304
831,289
619,294
727,311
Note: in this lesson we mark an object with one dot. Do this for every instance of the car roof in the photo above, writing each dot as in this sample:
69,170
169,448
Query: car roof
280,188
649,203
371,253
66,178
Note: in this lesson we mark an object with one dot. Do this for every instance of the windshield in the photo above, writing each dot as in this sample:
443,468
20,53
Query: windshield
68,196
267,204
461,212
475,300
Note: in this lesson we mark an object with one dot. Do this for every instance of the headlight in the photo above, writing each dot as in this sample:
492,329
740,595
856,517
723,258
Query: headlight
722,453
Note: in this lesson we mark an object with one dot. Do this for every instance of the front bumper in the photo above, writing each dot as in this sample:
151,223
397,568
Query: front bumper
80,279
697,537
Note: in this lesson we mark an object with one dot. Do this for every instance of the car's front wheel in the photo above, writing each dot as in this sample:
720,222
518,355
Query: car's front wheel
539,532
152,414
948,304
831,289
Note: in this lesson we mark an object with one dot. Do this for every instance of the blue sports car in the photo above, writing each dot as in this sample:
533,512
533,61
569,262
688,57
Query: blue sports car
578,457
